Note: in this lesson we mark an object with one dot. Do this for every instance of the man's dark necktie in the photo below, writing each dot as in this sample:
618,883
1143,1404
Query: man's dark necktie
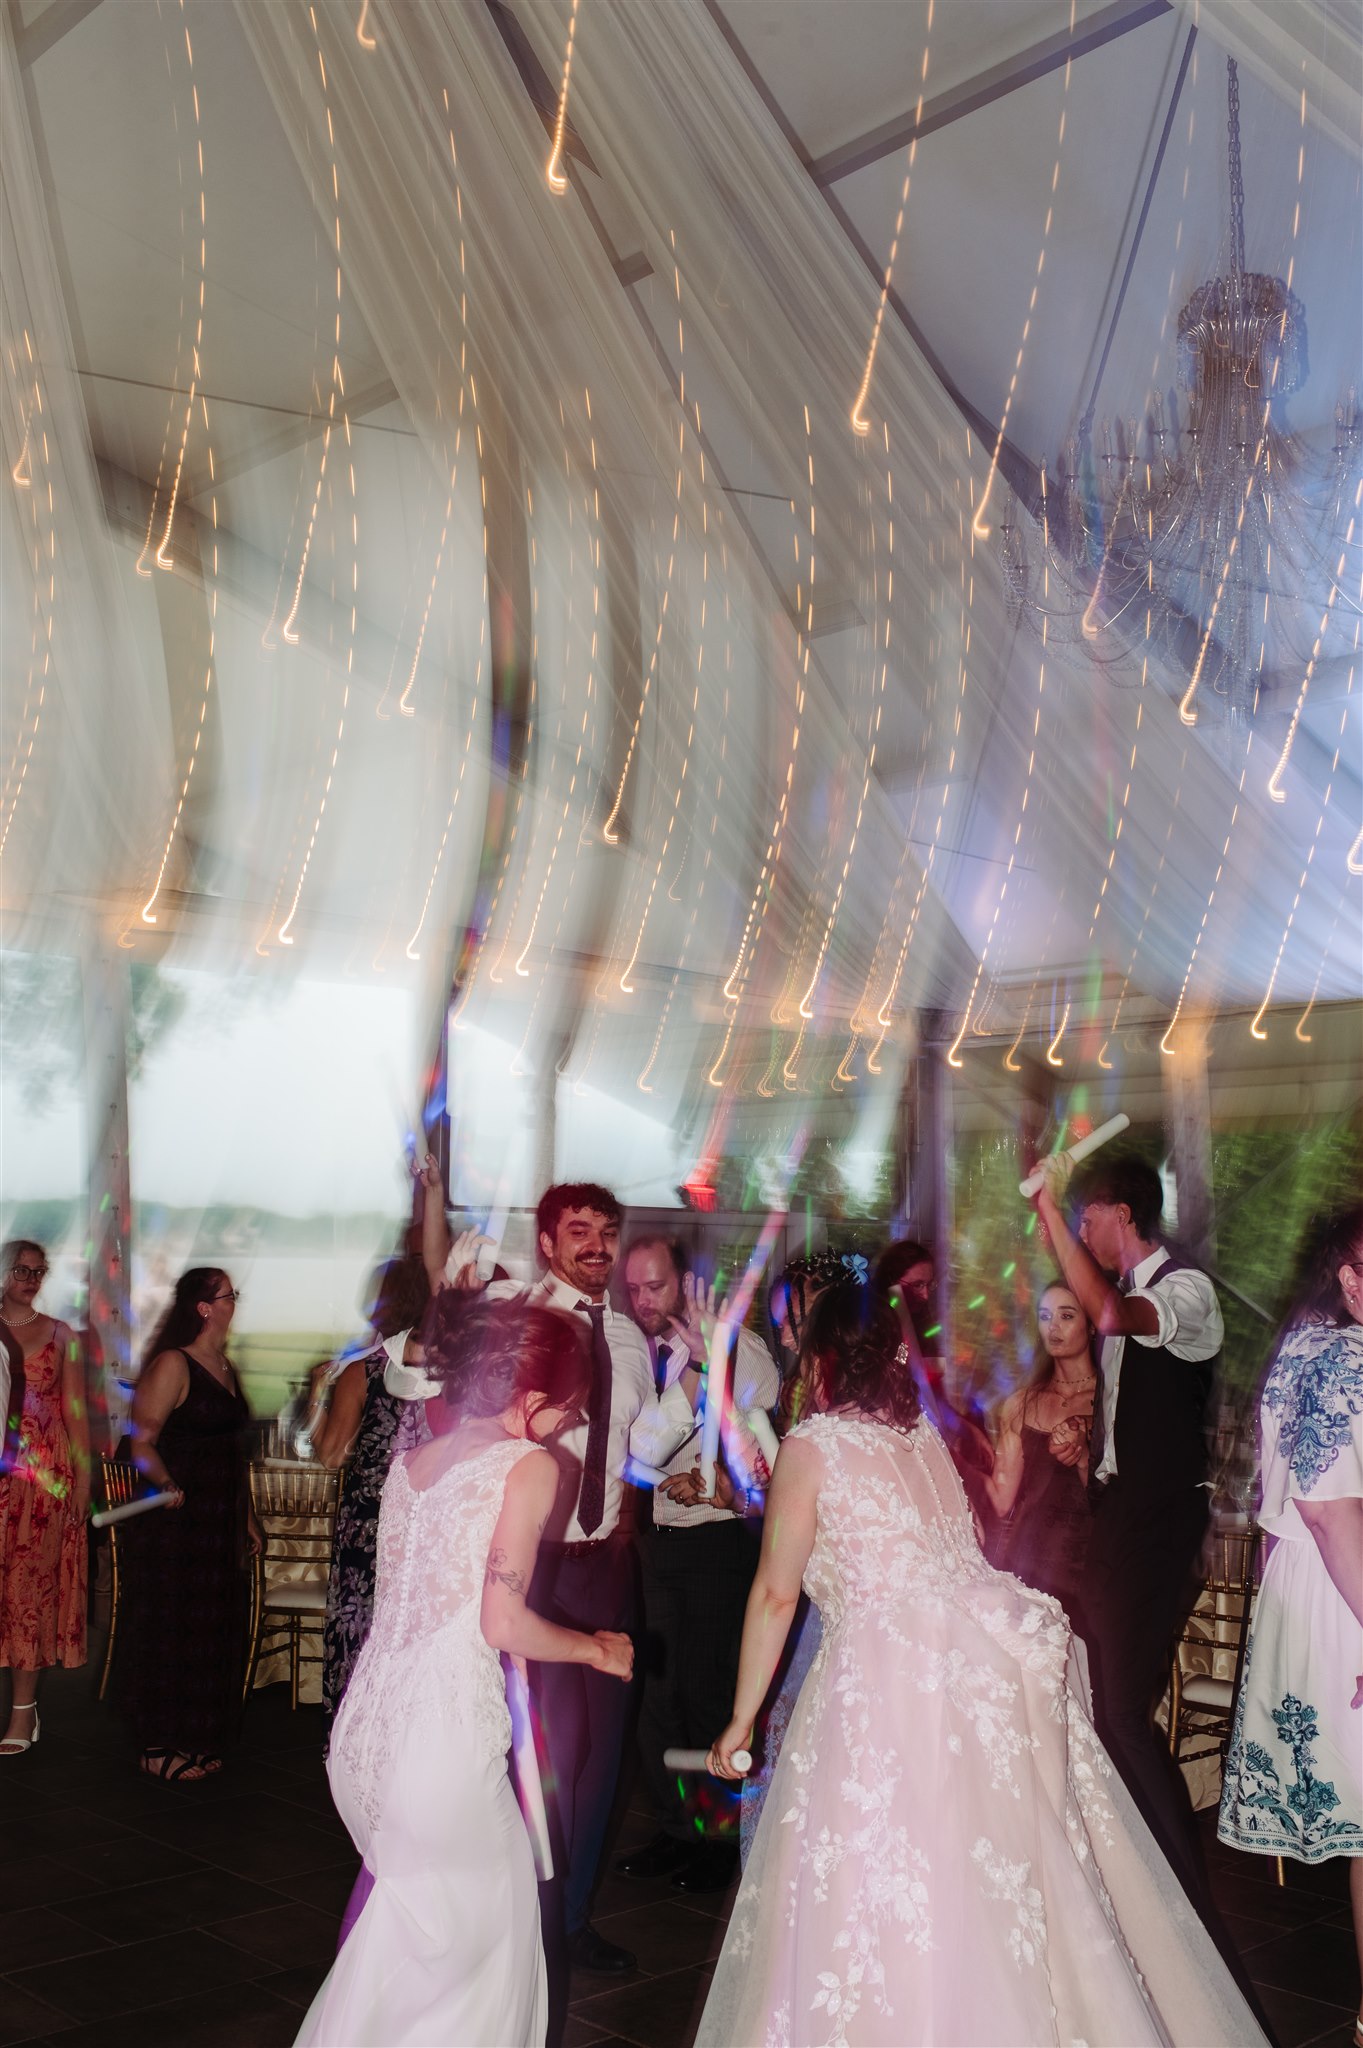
591,1504
1098,1431
661,1360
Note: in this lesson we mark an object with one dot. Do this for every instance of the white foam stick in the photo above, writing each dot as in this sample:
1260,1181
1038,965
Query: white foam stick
533,1810
131,1508
1080,1149
716,1393
640,1474
694,1760
768,1442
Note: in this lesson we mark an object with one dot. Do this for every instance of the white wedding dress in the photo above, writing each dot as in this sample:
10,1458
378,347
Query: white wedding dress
946,1857
447,1947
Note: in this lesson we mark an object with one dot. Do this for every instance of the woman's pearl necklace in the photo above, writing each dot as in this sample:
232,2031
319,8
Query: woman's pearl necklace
22,1322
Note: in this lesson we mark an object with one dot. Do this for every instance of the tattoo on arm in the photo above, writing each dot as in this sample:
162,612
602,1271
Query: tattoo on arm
498,1572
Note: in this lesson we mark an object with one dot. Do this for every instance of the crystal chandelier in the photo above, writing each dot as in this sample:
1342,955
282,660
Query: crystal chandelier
1225,546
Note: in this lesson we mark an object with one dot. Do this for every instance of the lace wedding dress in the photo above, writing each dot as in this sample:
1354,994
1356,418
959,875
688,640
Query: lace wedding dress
946,1855
447,1948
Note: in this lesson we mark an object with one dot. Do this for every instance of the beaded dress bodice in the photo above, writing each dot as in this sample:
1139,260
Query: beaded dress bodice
426,1659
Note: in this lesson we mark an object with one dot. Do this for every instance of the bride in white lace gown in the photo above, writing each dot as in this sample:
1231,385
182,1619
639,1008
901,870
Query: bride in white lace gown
447,1947
946,1855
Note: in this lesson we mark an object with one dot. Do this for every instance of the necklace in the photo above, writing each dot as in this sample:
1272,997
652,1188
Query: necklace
22,1322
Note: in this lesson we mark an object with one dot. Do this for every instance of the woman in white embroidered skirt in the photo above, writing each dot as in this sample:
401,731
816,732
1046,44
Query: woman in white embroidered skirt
946,1855
1293,1783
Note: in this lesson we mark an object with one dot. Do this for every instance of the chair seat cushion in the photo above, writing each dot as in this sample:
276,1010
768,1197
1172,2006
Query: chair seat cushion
308,1596
1202,1690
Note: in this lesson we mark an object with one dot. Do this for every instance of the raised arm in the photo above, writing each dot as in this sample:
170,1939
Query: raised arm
787,1540
507,1623
435,1231
161,1387
1111,1314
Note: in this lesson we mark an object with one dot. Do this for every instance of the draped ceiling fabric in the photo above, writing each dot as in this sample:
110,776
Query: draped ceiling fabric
574,646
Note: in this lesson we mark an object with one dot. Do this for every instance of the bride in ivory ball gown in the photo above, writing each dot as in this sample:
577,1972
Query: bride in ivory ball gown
946,1856
446,1949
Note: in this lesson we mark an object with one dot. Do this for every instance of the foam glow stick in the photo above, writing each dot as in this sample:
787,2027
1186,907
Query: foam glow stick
533,1810
640,1474
131,1508
734,1313
694,1760
717,1380
1080,1149
768,1442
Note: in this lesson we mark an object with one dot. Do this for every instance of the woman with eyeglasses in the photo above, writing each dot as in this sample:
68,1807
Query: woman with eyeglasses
44,1494
182,1641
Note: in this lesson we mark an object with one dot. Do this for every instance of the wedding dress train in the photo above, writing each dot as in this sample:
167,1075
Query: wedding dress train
946,1856
447,1947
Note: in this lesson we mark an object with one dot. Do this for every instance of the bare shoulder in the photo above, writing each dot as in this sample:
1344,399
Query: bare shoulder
533,1480
170,1366
800,1462
1012,1412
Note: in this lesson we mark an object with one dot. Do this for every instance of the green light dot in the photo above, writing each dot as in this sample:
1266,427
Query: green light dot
1010,1269
978,1302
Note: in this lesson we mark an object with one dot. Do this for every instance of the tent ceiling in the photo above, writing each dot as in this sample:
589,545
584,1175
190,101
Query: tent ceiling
305,766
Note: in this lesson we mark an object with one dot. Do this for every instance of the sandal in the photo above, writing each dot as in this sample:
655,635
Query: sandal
209,1765
17,1745
171,1766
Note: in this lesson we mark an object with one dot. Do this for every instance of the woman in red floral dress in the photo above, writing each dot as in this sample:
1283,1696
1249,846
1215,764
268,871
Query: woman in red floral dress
43,1500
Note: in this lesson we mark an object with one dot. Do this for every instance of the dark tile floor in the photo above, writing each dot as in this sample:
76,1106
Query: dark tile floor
136,1915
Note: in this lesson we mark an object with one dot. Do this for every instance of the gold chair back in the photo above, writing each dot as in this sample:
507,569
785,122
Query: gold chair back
1209,1657
295,1505
119,1483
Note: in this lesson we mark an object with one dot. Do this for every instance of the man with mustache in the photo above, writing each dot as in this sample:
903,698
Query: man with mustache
585,1574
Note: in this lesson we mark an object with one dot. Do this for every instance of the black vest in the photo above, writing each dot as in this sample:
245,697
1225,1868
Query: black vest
1160,1429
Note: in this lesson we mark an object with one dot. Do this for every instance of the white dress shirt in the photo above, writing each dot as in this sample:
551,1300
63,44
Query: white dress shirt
1190,1327
666,1434
631,1390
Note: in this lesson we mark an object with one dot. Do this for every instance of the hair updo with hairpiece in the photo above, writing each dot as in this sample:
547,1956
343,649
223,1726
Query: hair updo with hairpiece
855,1355
487,1354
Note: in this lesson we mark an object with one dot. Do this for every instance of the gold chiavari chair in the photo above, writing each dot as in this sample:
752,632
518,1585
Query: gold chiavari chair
120,1483
295,1505
1209,1657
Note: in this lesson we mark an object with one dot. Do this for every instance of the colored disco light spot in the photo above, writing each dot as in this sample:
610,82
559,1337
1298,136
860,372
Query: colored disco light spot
978,1302
1010,1269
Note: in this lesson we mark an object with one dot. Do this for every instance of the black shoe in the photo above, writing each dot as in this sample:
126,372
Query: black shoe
658,1858
588,1950
711,1869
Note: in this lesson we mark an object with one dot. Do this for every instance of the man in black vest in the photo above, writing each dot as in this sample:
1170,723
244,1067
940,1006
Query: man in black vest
1161,1334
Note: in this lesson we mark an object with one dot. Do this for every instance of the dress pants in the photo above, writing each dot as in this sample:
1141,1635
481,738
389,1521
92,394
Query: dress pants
1139,1582
583,1717
696,1585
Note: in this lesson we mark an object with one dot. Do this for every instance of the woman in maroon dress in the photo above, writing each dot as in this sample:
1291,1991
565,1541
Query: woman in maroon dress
182,1641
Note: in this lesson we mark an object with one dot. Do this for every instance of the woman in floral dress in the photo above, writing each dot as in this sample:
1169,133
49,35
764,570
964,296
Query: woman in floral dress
1293,1782
378,1425
43,1500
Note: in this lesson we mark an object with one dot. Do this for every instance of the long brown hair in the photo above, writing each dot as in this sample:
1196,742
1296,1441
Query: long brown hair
182,1323
857,1357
